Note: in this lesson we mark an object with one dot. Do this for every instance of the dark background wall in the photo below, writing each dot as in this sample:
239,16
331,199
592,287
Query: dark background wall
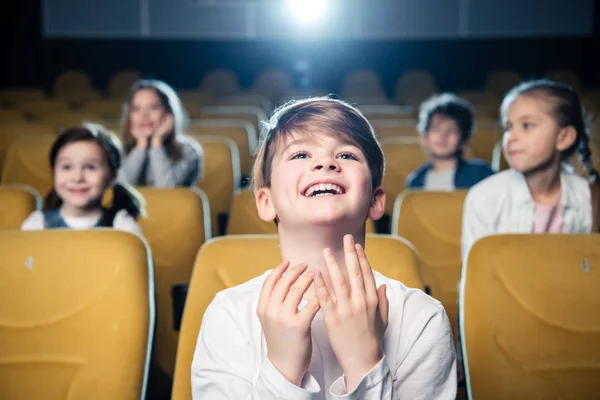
28,59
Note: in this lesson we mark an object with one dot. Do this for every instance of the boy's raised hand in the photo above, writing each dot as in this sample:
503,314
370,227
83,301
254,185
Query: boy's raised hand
356,314
287,330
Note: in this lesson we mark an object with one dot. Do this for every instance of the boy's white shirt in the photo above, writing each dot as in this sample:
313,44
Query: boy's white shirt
503,204
123,222
230,360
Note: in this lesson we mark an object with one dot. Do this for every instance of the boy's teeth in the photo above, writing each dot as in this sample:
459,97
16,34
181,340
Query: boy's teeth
323,187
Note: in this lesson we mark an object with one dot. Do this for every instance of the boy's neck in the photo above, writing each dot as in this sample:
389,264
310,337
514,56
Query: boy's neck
544,185
305,246
77,212
444,164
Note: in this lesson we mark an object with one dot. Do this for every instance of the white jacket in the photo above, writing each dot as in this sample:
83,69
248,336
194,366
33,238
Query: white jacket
502,203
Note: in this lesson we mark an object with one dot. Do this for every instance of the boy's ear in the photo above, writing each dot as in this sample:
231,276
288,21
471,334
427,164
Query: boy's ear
266,210
377,208
566,137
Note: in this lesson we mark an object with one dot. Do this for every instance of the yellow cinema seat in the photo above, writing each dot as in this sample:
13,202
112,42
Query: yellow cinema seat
18,201
76,315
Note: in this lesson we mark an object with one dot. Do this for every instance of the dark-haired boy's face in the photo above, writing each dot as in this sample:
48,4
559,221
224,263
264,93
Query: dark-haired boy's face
443,139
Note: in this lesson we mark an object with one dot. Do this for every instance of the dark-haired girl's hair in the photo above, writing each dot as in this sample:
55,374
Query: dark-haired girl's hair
567,110
124,197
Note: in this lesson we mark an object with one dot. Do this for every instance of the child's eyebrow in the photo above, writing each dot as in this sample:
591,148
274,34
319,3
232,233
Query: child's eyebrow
296,142
527,116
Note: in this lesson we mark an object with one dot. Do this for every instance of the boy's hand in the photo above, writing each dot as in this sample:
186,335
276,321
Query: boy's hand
356,315
287,330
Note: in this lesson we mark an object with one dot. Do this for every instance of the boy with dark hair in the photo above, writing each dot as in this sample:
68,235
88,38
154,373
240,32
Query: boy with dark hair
445,127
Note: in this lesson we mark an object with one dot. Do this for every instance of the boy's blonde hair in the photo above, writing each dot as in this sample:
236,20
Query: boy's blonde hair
316,115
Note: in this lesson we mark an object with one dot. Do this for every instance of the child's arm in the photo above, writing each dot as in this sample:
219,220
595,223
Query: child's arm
131,169
34,222
224,366
169,173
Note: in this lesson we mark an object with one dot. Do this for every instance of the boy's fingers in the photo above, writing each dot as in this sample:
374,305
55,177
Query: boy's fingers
269,284
338,281
282,287
367,273
353,268
323,296
297,291
383,305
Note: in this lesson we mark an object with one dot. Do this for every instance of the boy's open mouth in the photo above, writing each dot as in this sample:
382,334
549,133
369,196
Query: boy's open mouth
323,189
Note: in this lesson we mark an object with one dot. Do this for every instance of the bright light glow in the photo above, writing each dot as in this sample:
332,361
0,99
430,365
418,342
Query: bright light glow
307,10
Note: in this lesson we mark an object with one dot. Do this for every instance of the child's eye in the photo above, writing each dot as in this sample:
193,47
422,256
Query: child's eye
348,156
90,167
65,167
299,156
527,125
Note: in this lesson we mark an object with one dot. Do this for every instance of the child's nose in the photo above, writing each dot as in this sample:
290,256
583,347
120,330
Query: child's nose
78,174
329,163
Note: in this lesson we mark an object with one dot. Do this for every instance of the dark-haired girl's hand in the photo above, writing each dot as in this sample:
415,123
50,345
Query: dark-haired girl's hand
164,129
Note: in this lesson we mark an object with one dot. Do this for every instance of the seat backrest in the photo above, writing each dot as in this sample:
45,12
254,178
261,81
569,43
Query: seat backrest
232,260
244,220
27,162
9,132
40,108
121,81
483,141
72,81
241,132
432,222
501,81
253,114
11,116
375,113
248,100
415,83
222,176
365,83
530,324
402,156
177,224
14,97
273,83
393,128
62,121
18,201
220,82
76,314
109,109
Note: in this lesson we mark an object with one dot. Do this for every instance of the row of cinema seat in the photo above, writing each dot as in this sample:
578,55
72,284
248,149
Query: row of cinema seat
229,146
178,223
530,325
